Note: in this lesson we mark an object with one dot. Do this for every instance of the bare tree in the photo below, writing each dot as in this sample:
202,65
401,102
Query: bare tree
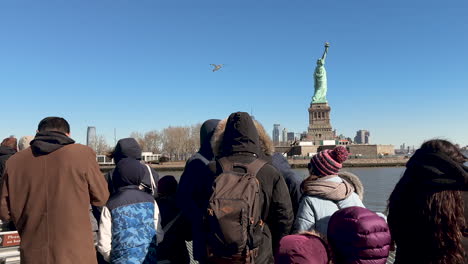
177,142
99,145
152,141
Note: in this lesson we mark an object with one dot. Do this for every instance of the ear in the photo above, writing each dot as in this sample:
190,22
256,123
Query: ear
37,131
68,134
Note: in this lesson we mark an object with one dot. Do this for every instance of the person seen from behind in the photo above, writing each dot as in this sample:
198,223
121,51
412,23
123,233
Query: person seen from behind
24,142
189,193
176,229
130,227
46,192
303,248
267,153
426,210
357,235
7,149
325,192
129,148
235,232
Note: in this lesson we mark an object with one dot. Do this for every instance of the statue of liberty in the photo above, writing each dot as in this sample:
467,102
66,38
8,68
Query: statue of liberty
320,79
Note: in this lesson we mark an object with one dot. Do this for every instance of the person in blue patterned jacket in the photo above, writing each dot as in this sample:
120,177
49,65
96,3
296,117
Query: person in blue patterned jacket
130,225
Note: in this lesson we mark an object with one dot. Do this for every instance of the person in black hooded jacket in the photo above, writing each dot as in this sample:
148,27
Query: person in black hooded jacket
129,148
125,148
189,190
241,145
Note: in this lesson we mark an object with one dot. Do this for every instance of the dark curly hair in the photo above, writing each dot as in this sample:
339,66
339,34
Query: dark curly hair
427,222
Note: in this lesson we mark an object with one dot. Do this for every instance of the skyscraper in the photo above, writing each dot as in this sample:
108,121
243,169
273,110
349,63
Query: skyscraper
90,135
276,133
291,136
362,137
284,135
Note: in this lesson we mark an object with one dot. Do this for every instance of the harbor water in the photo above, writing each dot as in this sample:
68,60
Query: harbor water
378,183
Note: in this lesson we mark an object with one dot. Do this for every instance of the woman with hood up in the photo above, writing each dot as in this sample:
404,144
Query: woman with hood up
427,212
130,226
241,144
325,192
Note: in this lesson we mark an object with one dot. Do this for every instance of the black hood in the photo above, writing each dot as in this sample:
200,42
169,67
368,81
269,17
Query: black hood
128,172
49,141
4,150
240,135
437,170
206,133
127,148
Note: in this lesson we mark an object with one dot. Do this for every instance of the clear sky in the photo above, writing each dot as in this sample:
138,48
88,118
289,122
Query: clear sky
396,68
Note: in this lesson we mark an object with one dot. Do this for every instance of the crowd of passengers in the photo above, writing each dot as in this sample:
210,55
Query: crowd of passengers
236,200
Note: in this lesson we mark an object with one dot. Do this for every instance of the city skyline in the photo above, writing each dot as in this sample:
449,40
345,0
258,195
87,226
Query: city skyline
397,69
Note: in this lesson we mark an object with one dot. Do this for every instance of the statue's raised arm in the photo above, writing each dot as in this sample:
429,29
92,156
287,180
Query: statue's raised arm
324,56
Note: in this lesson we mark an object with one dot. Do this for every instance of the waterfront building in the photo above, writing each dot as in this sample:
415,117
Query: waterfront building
90,136
150,156
362,137
276,133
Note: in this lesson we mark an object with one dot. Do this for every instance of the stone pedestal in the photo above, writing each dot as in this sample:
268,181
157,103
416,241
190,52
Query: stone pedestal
320,128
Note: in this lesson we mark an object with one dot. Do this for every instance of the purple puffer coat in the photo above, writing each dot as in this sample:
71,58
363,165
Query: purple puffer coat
358,235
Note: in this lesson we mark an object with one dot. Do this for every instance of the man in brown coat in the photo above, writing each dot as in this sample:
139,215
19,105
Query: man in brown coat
46,192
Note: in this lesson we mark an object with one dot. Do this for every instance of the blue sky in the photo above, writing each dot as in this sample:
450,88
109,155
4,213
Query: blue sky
396,68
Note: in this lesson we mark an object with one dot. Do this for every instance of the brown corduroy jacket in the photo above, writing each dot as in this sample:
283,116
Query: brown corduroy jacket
47,197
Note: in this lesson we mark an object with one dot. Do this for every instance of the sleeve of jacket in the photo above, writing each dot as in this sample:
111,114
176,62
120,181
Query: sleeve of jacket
4,199
104,245
157,224
97,185
281,213
305,219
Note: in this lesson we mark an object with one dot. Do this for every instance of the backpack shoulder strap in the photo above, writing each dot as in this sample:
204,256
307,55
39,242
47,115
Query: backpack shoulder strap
255,166
226,165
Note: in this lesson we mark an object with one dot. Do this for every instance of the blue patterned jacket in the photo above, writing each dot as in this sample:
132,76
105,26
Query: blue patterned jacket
130,227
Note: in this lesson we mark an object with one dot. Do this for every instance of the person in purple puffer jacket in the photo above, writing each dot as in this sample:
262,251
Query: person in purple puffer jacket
357,235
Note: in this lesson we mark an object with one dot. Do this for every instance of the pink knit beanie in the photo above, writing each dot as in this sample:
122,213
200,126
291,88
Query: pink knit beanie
328,162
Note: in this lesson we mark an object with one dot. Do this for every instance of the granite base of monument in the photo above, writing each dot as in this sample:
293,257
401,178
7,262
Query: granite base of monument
319,129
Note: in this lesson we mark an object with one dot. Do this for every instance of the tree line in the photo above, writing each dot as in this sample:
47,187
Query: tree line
173,142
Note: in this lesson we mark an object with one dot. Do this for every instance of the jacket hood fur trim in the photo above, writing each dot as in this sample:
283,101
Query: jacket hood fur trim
353,179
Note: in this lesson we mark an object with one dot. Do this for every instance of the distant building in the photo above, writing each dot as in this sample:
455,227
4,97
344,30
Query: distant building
371,151
284,135
149,156
90,136
362,137
291,136
276,134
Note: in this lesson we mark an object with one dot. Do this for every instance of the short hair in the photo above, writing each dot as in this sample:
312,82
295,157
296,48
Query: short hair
53,123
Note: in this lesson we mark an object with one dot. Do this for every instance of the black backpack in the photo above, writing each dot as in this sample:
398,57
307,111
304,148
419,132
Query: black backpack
233,217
